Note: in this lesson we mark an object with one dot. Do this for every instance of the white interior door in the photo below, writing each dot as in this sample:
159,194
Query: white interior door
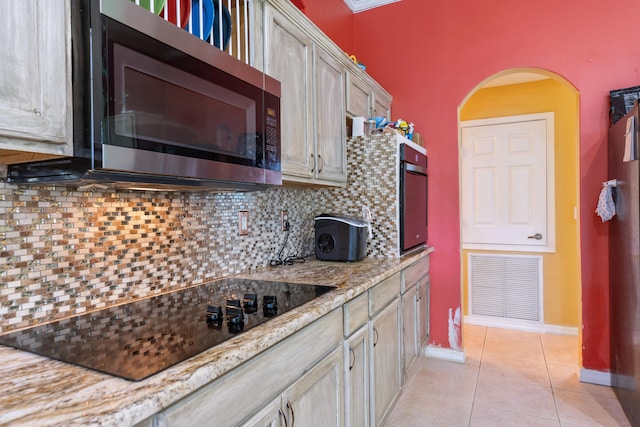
507,183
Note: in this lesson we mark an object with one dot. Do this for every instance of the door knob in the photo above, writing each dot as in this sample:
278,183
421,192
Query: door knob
536,236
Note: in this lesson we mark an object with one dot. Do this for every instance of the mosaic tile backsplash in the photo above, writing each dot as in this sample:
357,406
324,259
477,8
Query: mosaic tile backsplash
64,252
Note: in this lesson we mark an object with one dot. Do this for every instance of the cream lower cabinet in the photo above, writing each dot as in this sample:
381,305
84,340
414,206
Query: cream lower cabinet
315,400
423,309
410,326
303,368
372,352
386,363
345,368
35,82
356,378
417,274
312,105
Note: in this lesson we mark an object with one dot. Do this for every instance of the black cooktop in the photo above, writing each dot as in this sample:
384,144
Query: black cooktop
139,339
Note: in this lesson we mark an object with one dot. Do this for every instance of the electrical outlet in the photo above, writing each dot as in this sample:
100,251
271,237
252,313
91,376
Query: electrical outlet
243,223
285,221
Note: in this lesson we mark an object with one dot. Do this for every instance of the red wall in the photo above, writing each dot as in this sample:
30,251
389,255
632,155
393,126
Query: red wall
431,54
334,18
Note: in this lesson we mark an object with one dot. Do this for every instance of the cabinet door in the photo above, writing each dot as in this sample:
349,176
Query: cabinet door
387,364
289,58
35,77
271,415
410,326
330,122
358,96
316,399
381,106
423,309
356,378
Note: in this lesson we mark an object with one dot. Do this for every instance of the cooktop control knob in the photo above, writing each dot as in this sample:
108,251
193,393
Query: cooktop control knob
214,313
250,303
235,319
269,306
233,303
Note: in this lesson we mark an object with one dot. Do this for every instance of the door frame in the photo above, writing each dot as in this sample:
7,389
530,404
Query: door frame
551,210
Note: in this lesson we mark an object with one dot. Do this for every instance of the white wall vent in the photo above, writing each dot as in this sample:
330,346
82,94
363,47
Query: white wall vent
506,286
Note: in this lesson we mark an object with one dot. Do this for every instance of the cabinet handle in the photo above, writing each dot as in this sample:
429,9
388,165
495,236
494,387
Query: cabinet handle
352,356
281,414
375,337
293,416
321,163
313,159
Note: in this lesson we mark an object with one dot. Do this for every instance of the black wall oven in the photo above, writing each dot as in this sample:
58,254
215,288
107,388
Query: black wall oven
413,198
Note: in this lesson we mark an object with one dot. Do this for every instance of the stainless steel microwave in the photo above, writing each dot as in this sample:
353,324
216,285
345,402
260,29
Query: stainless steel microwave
156,107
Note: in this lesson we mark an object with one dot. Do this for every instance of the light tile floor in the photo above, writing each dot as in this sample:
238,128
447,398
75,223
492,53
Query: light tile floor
510,378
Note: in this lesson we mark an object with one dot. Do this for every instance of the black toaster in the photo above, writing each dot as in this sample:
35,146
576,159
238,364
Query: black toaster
340,238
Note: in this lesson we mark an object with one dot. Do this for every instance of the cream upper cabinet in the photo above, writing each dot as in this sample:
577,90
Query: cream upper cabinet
381,104
359,96
289,58
330,131
312,104
366,98
35,80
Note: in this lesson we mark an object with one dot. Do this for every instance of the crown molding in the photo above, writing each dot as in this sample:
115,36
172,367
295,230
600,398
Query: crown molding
360,5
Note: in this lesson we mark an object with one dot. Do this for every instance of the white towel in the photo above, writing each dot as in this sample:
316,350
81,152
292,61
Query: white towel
606,208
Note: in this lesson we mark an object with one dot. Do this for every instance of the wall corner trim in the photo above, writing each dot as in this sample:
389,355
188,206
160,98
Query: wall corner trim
447,354
595,377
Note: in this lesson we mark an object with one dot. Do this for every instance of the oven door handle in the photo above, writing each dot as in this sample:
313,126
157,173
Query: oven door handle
414,169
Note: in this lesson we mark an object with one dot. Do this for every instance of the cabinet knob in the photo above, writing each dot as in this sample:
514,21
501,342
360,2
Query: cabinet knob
320,163
375,336
536,236
313,161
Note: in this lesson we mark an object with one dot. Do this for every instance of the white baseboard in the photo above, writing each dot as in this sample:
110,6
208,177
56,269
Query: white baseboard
595,377
520,325
445,354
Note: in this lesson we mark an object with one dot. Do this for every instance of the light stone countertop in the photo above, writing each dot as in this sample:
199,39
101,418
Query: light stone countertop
37,391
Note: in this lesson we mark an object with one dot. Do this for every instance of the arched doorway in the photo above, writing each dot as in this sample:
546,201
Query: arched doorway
530,91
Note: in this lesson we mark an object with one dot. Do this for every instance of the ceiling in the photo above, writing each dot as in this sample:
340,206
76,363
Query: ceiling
360,5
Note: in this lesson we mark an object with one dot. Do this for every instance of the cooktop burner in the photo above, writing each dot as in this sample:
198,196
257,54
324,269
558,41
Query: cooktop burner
139,339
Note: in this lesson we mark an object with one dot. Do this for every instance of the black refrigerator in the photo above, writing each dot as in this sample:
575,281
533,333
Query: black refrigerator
624,263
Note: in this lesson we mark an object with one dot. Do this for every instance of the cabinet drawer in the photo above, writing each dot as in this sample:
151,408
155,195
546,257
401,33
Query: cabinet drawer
254,384
383,293
413,273
356,314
